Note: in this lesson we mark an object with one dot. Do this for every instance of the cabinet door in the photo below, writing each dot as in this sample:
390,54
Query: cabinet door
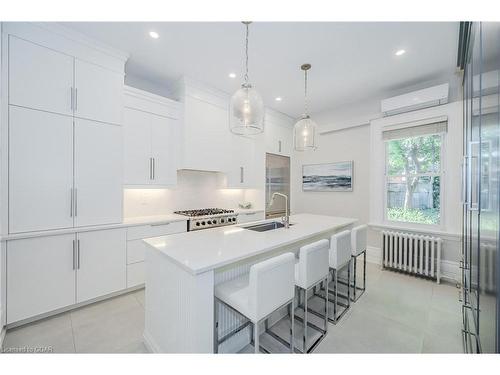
99,94
163,141
137,147
240,170
40,275
278,138
101,263
98,173
39,77
40,170
206,128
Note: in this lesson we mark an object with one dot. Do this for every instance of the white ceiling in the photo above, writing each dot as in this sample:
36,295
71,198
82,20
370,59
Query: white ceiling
350,61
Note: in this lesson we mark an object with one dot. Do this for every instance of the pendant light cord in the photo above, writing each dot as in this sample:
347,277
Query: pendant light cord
246,54
305,93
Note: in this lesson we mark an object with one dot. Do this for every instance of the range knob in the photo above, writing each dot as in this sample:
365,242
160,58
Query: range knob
209,222
222,220
202,223
197,223
234,219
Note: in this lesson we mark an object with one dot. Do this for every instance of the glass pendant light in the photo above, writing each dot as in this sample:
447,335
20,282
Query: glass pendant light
305,129
247,107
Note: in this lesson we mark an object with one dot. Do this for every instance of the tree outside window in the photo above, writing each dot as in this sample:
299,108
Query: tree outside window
413,179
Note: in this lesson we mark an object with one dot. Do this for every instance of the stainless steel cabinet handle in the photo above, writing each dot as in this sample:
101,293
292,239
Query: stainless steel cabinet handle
78,252
76,201
154,168
464,177
150,168
76,99
72,98
242,175
159,224
74,255
279,146
71,203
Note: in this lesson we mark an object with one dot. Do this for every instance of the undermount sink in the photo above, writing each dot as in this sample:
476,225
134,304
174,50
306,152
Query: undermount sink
264,227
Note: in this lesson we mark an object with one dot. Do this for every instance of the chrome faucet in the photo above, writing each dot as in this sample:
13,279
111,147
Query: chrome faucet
286,218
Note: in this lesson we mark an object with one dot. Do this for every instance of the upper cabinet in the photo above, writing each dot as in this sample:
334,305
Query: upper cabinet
205,131
64,164
40,77
44,79
98,93
151,139
278,133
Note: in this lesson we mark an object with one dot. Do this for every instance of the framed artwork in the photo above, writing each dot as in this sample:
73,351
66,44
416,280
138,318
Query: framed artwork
327,177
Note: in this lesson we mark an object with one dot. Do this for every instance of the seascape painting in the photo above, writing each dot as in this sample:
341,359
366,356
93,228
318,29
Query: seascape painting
327,177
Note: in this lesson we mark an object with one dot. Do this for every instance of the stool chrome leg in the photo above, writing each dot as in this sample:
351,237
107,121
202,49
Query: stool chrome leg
216,327
325,286
355,277
335,296
354,284
304,341
349,283
292,325
256,337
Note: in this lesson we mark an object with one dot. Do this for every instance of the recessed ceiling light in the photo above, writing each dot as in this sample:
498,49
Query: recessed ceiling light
154,34
232,75
400,52
278,98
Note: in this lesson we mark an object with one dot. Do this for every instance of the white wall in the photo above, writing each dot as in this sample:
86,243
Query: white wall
350,144
195,189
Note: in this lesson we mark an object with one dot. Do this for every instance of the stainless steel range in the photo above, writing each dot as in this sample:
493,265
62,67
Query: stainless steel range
208,218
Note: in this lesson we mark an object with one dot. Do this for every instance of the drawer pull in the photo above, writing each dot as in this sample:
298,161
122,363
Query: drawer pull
159,224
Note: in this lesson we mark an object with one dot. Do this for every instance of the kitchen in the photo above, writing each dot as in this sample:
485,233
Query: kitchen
208,187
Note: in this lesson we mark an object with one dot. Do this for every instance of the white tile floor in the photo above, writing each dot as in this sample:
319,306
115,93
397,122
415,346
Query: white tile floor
397,314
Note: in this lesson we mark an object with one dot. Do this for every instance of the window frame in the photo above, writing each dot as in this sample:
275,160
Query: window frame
441,175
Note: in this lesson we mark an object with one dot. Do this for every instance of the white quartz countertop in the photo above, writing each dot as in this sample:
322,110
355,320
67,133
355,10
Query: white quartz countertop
208,249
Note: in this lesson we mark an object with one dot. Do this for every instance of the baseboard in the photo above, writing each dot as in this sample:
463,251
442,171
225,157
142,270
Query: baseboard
450,270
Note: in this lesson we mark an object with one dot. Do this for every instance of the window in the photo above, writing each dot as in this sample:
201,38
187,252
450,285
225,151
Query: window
413,174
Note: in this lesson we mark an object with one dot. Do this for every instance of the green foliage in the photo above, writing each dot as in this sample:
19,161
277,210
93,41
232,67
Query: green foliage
413,215
414,155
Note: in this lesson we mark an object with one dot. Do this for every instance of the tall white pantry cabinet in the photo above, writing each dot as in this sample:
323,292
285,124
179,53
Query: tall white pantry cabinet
62,170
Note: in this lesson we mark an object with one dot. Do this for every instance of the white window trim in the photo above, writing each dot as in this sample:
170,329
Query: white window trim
409,224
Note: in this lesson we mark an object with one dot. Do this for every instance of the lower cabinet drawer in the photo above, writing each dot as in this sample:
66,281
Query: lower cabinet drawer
250,216
155,230
135,251
135,274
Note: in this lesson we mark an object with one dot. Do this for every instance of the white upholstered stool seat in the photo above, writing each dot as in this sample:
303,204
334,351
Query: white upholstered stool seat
312,270
269,286
340,257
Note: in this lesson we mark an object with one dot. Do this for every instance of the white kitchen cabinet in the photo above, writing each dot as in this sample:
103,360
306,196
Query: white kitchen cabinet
39,77
98,173
150,141
241,166
136,147
101,263
278,133
99,93
40,275
40,170
163,150
206,135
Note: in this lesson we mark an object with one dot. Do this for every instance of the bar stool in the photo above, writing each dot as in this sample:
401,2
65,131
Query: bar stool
358,243
310,271
340,257
269,286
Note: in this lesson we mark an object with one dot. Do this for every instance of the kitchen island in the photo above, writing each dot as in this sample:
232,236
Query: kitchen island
183,269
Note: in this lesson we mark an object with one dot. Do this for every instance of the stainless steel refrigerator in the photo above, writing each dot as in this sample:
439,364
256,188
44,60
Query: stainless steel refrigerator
277,180
479,57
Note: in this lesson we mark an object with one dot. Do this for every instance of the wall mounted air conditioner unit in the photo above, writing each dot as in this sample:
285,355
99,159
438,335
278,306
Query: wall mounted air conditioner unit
412,101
